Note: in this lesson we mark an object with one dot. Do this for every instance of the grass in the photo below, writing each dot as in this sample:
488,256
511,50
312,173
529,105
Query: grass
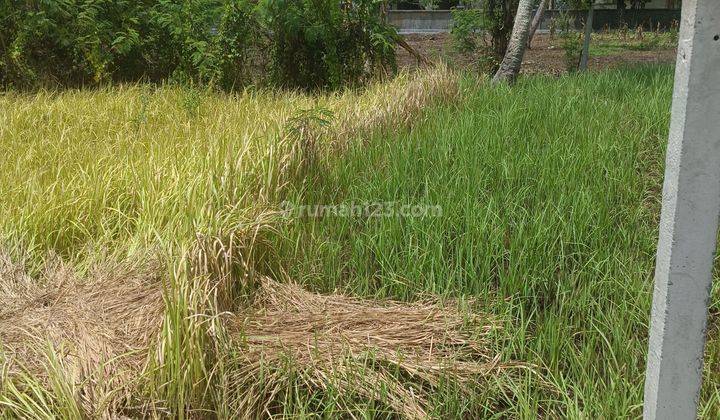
616,42
549,195
121,203
540,210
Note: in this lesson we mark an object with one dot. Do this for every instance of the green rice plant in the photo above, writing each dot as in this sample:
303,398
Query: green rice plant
25,396
549,194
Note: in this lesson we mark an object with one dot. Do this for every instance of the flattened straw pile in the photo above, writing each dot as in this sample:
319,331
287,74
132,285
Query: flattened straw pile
90,339
390,352
93,334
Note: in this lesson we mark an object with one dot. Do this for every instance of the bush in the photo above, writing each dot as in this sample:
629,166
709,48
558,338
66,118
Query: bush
496,19
316,44
237,47
467,29
65,41
201,41
499,19
227,43
572,44
468,36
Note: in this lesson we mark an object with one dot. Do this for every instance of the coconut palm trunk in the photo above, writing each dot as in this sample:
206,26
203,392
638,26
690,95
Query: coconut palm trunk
510,66
536,21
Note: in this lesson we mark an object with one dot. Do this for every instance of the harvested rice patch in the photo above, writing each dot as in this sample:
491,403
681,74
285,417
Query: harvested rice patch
88,341
390,352
91,333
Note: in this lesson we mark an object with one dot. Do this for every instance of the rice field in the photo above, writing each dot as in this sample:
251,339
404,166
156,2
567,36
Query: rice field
430,247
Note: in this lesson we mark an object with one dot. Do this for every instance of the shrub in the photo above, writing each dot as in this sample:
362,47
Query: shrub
572,44
200,41
237,47
496,19
467,29
468,36
228,43
316,44
499,18
67,41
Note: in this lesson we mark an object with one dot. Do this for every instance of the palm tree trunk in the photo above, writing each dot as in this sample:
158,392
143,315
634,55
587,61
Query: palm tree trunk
510,66
536,21
588,34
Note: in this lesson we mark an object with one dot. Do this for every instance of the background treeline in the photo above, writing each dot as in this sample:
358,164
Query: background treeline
305,44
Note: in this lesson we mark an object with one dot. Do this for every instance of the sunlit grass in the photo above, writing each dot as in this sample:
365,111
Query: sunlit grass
608,43
549,194
180,181
120,169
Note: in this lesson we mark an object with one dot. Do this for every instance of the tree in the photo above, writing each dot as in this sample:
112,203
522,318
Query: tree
510,66
499,16
585,52
588,34
536,21
621,6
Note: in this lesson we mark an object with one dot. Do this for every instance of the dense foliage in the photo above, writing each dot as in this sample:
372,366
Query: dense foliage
468,29
229,43
317,43
499,17
484,32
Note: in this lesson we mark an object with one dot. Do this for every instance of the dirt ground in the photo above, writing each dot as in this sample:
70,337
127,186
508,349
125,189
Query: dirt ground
545,57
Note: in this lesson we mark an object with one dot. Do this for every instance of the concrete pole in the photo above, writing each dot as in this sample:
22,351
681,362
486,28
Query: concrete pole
689,220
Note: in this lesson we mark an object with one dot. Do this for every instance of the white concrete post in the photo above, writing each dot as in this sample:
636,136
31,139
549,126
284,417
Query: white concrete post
689,220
